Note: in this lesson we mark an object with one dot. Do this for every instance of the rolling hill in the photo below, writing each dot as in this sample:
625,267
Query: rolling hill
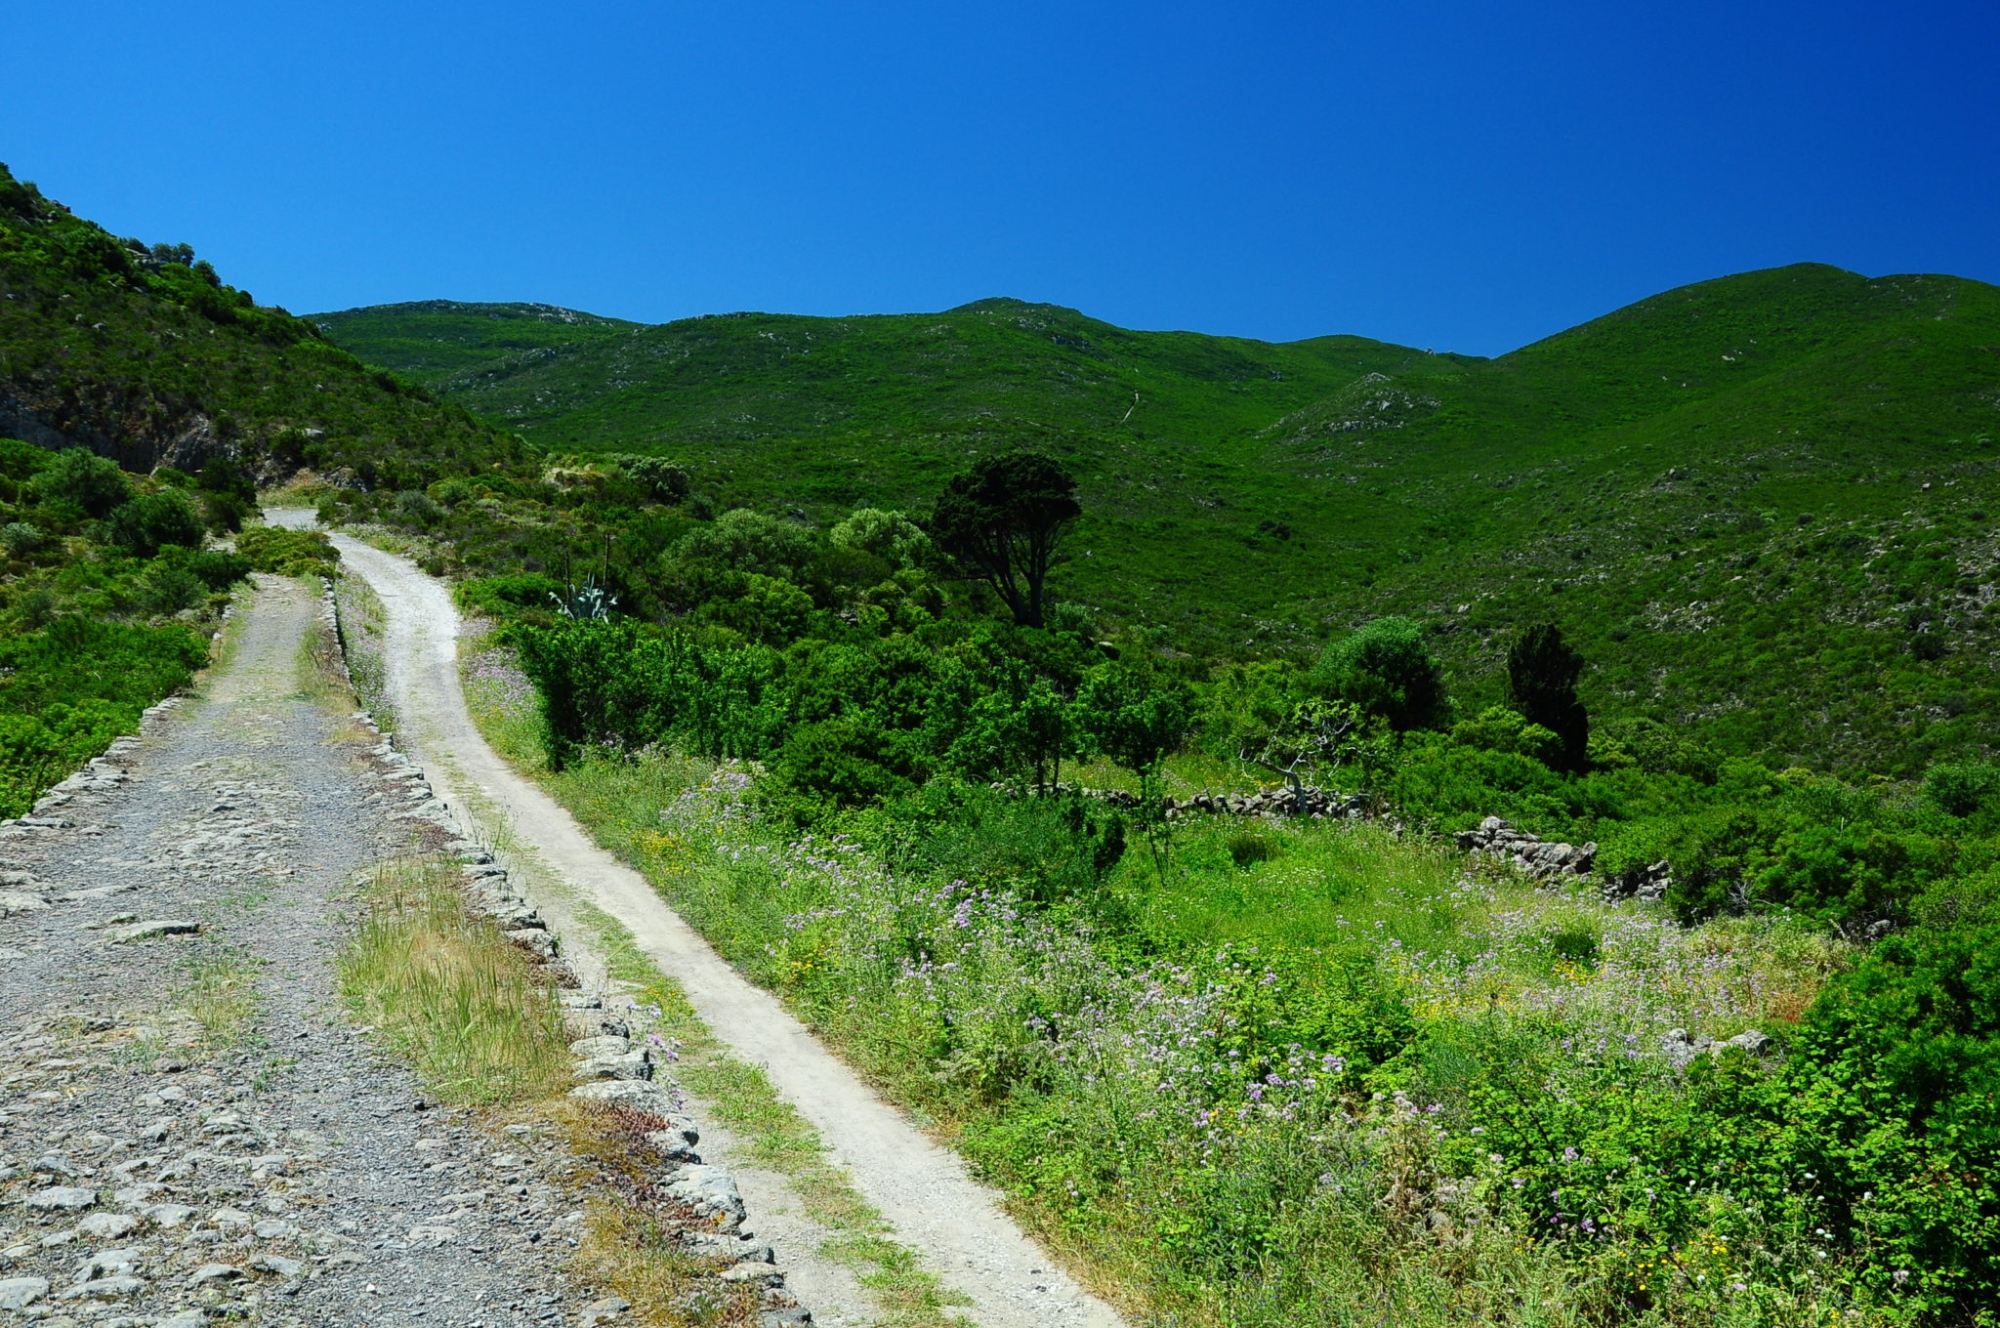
1760,503
142,353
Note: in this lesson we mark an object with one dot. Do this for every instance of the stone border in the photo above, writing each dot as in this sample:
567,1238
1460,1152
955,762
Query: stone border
618,1057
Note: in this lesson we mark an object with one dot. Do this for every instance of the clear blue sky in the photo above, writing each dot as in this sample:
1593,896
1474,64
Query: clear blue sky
1466,176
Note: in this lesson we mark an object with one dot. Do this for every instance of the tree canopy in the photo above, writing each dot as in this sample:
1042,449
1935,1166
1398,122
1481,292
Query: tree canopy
1002,521
1541,681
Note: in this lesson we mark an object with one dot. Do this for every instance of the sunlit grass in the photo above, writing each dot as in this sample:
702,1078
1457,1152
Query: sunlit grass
451,993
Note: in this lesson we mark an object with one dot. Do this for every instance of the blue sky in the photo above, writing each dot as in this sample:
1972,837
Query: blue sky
1466,176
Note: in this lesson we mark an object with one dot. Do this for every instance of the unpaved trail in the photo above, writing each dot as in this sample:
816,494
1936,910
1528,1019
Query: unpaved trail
190,1126
924,1189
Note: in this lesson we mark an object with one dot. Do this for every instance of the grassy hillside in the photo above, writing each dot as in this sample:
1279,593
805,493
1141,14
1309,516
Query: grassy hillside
1760,504
432,341
143,354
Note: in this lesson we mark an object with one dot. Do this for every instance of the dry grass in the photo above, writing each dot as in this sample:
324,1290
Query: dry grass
469,1010
628,1246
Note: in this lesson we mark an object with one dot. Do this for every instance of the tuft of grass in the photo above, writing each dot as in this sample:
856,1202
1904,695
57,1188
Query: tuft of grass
218,991
450,993
626,1247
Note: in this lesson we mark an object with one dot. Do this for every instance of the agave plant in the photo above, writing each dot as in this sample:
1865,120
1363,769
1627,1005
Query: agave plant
588,602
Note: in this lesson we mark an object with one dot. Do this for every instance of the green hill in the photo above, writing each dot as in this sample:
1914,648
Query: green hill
433,341
142,353
1760,503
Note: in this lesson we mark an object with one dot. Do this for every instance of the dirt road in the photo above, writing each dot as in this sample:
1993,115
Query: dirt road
190,1127
955,1223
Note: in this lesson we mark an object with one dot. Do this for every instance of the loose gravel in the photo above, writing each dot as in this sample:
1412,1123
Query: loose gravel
190,1127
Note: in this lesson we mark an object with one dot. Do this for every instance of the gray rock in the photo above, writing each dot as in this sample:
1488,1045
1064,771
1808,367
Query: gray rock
633,1065
1751,1041
790,1316
185,1319
536,942
277,1264
1681,1048
106,1288
603,1310
108,1263
602,1045
17,1293
708,1190
145,931
108,1226
167,1216
17,901
210,1274
62,1199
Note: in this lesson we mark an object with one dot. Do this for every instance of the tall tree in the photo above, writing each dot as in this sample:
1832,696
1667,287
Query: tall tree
1542,671
1002,521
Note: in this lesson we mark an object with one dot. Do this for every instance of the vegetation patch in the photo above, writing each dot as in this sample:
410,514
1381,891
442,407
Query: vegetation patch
450,993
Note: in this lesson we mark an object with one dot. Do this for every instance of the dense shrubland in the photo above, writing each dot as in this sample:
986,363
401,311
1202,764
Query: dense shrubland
107,602
1762,506
1281,1071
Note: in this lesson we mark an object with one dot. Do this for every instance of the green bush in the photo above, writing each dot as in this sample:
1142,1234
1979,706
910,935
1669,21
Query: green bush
288,552
145,525
69,688
612,685
22,538
81,479
1387,669
1962,788
168,588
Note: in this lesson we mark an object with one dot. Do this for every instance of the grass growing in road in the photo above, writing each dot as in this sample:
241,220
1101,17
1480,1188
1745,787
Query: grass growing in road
450,992
218,991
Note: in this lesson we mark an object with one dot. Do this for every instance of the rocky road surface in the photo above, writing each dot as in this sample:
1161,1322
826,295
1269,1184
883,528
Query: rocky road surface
190,1129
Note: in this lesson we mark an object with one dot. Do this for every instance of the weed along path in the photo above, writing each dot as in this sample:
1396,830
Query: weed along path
955,1225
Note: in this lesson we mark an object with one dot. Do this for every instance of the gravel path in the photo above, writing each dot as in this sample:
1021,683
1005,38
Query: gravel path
955,1223
189,1126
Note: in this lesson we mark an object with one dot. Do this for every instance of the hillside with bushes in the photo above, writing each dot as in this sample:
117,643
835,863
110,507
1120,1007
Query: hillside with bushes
1731,494
142,353
1720,1055
142,401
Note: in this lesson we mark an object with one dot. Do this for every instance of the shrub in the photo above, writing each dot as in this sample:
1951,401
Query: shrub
1498,729
661,479
288,552
1895,1082
1387,669
503,596
890,536
85,480
1962,788
1541,682
842,763
218,568
610,684
168,588
21,538
146,525
751,542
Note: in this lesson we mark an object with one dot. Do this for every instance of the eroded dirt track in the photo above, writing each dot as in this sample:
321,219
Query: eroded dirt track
189,1125
955,1223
